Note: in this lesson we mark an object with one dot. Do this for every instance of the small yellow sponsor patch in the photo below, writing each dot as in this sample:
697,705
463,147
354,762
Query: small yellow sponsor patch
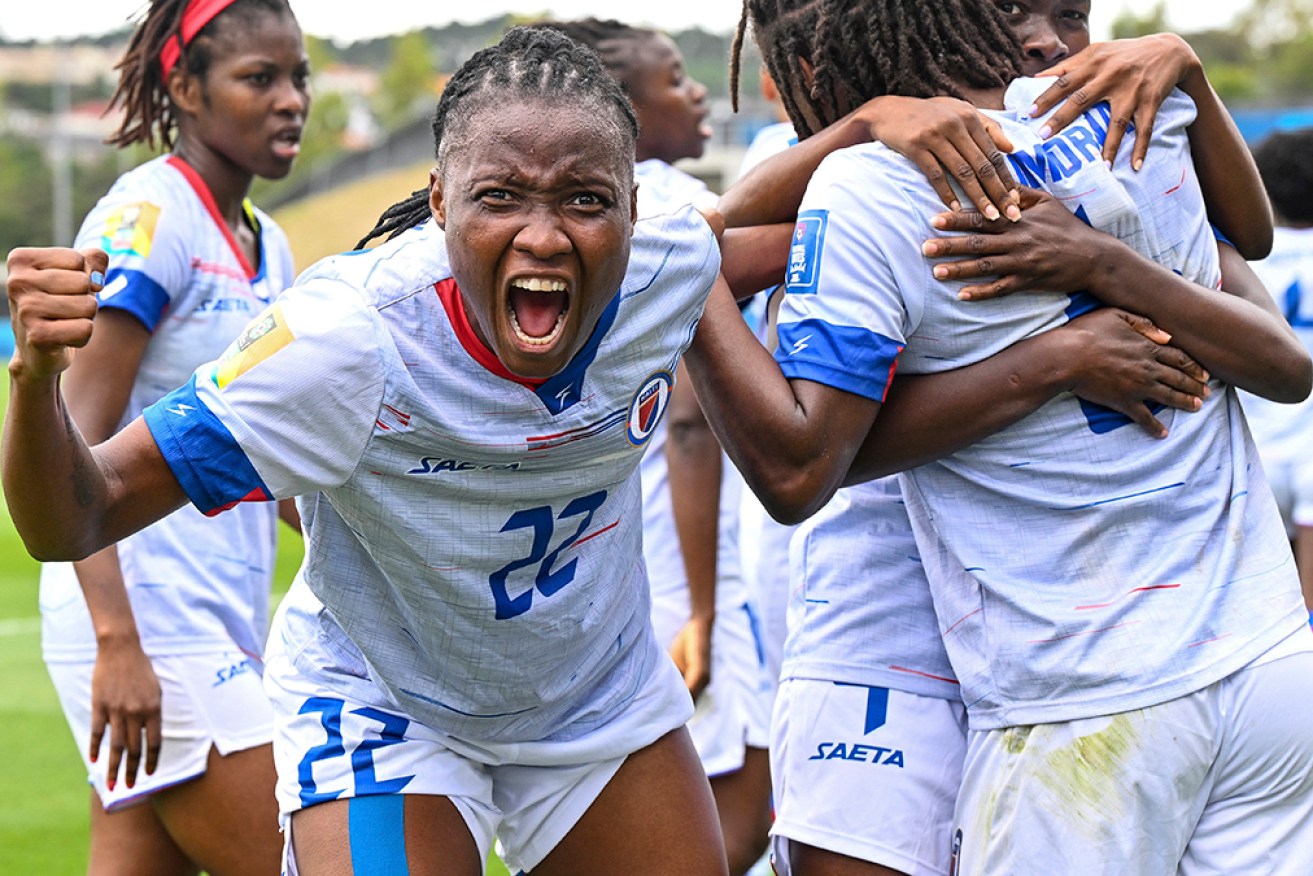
130,229
265,335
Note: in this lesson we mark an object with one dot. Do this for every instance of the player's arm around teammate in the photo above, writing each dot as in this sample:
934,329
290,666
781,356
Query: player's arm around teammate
1241,338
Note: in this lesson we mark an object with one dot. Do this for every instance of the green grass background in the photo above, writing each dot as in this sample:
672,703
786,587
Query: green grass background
43,791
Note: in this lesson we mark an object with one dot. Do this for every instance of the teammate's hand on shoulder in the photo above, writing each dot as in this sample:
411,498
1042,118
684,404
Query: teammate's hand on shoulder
1124,362
1047,250
948,139
1134,76
52,301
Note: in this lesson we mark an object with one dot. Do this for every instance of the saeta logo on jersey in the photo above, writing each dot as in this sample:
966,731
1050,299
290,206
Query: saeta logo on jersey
648,405
432,465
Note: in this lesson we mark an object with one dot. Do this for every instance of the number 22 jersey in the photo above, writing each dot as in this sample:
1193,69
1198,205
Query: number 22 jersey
474,537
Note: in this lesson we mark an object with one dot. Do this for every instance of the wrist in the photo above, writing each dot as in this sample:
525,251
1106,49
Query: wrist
862,124
117,638
1187,61
1058,361
1105,258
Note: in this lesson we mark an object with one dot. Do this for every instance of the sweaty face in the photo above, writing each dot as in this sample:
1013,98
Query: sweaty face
1049,30
537,204
671,105
251,105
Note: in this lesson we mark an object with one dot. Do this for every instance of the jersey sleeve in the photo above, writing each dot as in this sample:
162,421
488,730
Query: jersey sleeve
287,410
855,279
149,255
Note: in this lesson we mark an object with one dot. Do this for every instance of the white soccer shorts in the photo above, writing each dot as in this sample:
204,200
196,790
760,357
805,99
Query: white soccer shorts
206,700
1218,781
337,736
866,772
733,712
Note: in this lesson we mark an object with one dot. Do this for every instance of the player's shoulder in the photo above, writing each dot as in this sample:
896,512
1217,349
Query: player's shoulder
415,259
134,204
857,172
677,246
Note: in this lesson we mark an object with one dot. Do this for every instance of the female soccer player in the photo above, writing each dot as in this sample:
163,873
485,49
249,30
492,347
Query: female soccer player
157,643
844,264
690,498
863,630
468,646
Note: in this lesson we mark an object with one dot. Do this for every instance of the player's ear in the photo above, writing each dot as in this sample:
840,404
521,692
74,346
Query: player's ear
633,206
184,91
436,205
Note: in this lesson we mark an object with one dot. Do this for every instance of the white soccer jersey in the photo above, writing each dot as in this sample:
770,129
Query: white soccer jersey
770,140
195,584
1078,566
475,537
1283,432
663,188
860,609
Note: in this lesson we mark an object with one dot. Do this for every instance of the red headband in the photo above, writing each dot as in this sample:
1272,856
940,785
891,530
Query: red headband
199,13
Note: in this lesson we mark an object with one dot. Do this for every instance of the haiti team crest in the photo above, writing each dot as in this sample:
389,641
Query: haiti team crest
649,404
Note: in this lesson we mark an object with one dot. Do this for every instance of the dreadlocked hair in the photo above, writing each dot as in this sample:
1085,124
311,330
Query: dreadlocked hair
538,63
784,31
142,91
614,42
910,48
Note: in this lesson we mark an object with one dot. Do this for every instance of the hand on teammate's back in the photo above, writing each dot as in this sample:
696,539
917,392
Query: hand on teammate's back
1133,76
949,140
52,301
1047,250
1124,362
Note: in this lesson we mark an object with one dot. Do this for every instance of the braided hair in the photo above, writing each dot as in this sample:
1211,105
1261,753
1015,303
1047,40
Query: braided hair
540,63
784,31
614,42
142,91
861,50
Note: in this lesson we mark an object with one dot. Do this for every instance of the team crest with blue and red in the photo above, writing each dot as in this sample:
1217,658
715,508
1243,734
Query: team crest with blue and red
648,405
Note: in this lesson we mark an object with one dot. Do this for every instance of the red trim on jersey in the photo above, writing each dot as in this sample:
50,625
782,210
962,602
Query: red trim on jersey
449,295
1176,187
929,675
596,534
203,192
256,495
1128,595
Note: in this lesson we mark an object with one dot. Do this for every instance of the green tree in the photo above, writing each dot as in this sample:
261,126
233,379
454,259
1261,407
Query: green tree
409,81
25,195
1128,24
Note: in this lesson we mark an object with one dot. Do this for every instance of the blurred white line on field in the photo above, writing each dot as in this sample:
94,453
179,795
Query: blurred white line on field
20,626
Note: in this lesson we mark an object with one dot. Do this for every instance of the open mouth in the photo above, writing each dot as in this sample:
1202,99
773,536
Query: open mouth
287,143
538,307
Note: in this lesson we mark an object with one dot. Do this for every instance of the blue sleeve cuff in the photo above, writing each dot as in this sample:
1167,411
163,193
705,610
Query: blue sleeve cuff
137,294
205,458
853,359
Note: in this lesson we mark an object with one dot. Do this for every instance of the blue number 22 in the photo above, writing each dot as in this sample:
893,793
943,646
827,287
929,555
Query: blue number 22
543,523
